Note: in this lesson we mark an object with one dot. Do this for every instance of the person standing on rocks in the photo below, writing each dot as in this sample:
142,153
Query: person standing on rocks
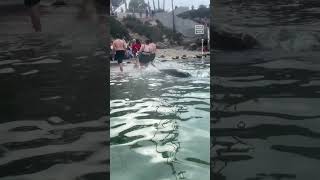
119,50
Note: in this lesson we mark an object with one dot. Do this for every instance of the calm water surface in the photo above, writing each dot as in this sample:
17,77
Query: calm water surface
159,123
265,118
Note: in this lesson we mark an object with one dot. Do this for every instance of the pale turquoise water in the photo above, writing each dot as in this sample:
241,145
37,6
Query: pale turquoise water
160,127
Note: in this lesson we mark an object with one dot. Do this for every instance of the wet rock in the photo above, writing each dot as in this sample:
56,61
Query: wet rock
162,56
184,56
230,39
176,57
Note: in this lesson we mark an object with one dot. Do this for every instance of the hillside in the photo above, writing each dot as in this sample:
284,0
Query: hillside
131,27
157,32
201,15
116,28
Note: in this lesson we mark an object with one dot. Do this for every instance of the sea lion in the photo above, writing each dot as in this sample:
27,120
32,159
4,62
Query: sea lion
175,72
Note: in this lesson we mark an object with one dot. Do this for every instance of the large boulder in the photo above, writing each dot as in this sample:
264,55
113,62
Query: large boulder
228,39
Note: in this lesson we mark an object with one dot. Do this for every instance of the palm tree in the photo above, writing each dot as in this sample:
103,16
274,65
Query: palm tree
164,1
154,5
125,4
173,25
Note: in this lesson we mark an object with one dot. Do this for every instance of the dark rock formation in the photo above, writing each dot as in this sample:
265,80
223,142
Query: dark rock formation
228,39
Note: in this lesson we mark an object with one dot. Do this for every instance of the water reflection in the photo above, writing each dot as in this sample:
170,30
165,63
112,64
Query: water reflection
265,115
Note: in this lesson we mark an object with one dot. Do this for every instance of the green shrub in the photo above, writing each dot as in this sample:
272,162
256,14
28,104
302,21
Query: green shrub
117,29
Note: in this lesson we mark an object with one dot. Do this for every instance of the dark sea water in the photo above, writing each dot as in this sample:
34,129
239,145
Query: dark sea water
53,123
265,118
160,124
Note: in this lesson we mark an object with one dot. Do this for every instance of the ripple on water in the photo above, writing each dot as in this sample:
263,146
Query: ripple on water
149,114
7,70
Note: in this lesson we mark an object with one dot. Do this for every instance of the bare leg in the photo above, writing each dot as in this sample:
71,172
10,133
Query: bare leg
121,67
138,63
35,17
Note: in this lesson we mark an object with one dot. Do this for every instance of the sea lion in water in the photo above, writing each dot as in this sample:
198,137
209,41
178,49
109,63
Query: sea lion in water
175,72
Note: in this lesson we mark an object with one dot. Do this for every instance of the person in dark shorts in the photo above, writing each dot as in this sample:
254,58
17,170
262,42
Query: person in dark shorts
119,56
34,12
119,49
145,54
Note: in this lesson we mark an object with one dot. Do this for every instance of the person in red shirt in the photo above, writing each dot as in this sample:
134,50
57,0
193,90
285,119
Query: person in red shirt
136,45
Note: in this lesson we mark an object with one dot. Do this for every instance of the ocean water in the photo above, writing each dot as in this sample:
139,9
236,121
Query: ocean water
265,115
51,124
159,125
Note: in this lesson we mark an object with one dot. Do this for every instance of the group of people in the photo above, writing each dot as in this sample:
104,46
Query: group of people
141,53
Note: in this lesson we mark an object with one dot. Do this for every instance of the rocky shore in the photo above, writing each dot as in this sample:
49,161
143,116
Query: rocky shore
179,53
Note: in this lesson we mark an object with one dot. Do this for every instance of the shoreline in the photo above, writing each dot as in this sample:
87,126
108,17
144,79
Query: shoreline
170,54
179,53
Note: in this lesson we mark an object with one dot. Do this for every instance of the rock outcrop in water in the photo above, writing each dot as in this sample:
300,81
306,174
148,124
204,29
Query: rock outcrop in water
228,39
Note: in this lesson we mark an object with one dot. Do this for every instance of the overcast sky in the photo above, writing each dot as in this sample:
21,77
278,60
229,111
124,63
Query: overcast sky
188,3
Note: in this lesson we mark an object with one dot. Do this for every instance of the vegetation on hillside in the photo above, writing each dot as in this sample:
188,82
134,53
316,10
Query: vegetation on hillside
117,29
116,2
137,6
156,33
